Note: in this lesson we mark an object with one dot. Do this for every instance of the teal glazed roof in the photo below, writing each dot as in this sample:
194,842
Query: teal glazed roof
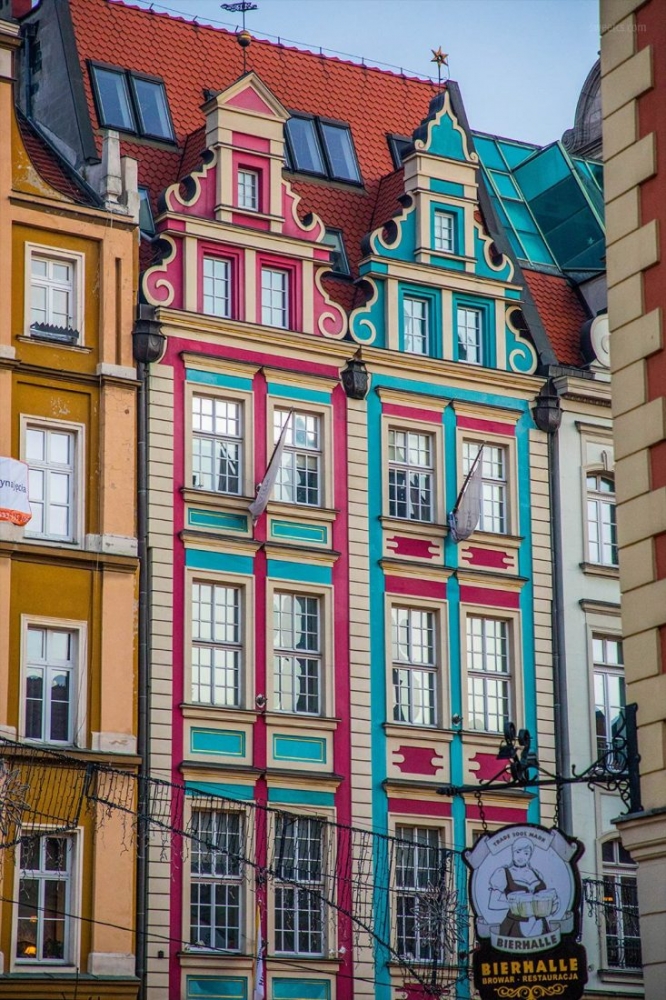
550,203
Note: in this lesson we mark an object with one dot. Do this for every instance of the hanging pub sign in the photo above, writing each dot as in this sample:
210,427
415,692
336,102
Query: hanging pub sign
14,505
525,896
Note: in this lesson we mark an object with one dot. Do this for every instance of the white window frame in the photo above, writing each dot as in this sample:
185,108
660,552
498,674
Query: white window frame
416,328
246,680
280,886
29,422
219,441
407,467
607,554
218,644
275,301
77,262
326,647
494,488
293,653
621,875
73,937
244,399
444,241
408,670
211,281
221,881
464,313
475,438
514,676
247,189
605,670
406,831
294,453
79,687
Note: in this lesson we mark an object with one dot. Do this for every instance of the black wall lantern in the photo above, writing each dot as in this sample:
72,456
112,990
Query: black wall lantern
148,341
354,377
547,410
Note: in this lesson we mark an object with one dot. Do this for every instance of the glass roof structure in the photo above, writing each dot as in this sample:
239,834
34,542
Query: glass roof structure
550,204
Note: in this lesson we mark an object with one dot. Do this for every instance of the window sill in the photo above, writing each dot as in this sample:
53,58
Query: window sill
399,730
218,713
620,975
278,508
210,498
596,569
288,720
409,525
51,342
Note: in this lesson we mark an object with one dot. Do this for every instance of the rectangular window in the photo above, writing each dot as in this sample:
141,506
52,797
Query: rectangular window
470,335
420,864
131,103
339,152
601,519
299,908
44,912
216,645
297,652
494,508
248,190
444,232
415,318
609,694
217,444
51,457
316,146
216,880
489,674
414,666
299,478
50,671
339,260
274,297
53,298
217,287
411,475
620,895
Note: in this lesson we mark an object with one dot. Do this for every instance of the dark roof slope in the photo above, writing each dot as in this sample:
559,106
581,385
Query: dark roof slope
50,167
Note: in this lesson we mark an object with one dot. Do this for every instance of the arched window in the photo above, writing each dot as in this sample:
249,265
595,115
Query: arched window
601,523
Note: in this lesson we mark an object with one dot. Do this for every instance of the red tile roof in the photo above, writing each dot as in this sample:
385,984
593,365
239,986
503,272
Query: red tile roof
191,58
562,313
48,164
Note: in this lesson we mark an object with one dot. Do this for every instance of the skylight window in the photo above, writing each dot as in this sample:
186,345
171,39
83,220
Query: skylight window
324,148
400,146
132,103
339,261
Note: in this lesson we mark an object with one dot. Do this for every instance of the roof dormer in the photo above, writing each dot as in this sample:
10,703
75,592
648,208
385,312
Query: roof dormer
245,127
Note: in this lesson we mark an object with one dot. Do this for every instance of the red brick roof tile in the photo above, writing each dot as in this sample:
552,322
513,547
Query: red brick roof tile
191,57
562,313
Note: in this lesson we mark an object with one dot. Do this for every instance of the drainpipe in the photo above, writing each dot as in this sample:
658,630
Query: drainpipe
547,414
148,346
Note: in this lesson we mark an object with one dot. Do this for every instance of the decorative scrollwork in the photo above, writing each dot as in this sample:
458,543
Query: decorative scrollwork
532,992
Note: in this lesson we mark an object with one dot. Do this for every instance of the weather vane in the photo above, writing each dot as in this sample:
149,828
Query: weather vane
442,59
243,37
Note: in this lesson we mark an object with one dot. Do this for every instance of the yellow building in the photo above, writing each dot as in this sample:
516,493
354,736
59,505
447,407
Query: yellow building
68,579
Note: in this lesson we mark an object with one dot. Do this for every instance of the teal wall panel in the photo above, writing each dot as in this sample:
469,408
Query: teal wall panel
299,532
301,989
223,562
216,519
239,793
217,378
224,742
301,572
216,987
298,392
300,797
305,748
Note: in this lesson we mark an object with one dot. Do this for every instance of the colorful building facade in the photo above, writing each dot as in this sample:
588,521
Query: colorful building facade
342,271
68,657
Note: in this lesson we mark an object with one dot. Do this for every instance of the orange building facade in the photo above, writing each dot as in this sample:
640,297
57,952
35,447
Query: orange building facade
68,579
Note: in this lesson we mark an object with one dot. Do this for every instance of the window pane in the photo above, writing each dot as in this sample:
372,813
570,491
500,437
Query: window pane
444,232
216,287
411,475
340,151
469,323
248,190
304,145
274,297
152,104
114,98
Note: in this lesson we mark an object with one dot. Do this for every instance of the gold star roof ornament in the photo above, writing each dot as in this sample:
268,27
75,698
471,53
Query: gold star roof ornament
441,59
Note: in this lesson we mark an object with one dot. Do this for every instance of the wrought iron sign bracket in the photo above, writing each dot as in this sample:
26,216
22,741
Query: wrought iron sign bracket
616,769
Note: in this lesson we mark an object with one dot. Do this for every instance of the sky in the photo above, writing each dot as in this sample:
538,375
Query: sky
520,64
